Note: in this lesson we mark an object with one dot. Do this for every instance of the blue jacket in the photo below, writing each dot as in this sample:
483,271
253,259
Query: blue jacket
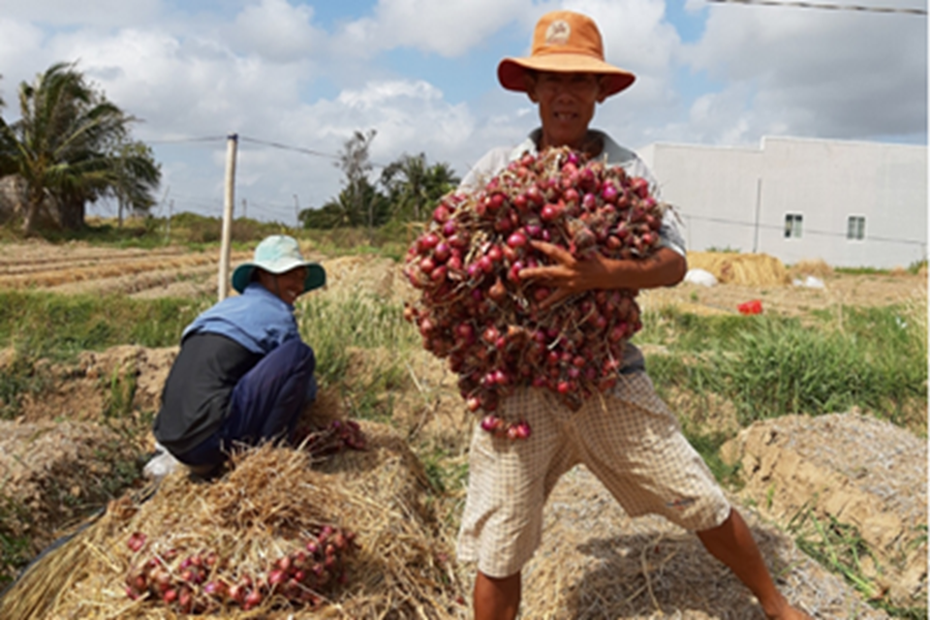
257,319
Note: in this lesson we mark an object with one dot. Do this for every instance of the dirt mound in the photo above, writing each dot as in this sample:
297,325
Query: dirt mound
596,562
52,473
126,377
845,469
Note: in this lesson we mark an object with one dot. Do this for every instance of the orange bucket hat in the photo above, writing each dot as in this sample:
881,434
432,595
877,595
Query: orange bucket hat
565,42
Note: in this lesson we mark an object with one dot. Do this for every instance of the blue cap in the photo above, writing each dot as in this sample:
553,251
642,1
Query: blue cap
279,254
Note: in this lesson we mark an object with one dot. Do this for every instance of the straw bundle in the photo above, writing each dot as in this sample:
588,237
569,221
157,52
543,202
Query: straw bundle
818,268
743,269
264,507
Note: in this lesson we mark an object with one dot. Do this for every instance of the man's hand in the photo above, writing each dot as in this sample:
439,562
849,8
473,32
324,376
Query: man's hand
568,275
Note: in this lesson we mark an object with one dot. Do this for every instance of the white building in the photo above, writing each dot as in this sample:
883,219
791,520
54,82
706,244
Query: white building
851,204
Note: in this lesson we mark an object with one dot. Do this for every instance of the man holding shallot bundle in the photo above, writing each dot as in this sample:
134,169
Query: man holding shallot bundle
629,439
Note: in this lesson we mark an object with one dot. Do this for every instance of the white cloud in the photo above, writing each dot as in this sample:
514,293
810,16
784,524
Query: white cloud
446,28
636,35
269,71
381,93
105,13
822,73
20,43
277,31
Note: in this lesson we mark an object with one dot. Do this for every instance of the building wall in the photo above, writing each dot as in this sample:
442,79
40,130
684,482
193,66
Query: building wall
738,198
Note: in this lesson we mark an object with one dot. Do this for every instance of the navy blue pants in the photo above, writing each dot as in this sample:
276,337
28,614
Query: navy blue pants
265,404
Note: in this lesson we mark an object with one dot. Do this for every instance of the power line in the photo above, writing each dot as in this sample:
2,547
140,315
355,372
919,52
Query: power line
828,6
277,145
301,149
187,140
287,147
822,233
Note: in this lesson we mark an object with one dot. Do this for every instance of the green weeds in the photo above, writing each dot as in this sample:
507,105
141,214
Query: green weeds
15,549
361,343
19,378
58,327
769,366
840,548
837,546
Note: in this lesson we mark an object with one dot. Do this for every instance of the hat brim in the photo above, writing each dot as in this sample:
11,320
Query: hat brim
511,72
316,275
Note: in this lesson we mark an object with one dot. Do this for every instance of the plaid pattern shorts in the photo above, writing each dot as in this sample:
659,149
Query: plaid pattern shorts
628,438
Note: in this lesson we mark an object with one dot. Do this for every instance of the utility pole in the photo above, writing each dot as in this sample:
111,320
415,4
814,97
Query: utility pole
755,241
296,213
232,141
245,205
168,221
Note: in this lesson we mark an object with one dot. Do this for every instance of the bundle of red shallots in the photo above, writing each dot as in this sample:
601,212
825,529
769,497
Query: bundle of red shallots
477,311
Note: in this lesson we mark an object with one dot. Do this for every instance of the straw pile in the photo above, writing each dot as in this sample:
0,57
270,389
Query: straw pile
742,269
261,509
817,268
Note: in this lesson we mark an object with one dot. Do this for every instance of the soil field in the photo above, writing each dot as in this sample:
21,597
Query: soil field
595,561
75,267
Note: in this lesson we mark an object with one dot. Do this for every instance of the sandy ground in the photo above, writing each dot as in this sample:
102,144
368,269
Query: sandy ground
595,562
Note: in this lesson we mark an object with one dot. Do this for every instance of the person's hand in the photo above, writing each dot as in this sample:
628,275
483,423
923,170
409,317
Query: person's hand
567,275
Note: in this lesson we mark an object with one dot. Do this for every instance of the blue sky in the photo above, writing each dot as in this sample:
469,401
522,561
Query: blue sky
422,73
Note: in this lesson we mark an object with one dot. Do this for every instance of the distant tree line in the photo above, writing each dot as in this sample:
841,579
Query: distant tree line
406,191
70,147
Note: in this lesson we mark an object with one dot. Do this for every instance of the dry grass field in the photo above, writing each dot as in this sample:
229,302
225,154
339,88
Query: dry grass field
595,561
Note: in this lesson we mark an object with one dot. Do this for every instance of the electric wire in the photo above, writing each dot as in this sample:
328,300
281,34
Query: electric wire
187,140
805,231
827,6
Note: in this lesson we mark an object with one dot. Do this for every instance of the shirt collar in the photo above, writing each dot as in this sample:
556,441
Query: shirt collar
256,288
613,152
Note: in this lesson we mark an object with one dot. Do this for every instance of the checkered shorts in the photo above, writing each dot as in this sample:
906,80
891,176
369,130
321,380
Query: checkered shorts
629,439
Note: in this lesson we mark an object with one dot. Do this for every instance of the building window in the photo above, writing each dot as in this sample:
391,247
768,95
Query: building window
856,227
793,225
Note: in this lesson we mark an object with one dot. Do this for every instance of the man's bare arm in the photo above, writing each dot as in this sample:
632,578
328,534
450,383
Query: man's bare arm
569,275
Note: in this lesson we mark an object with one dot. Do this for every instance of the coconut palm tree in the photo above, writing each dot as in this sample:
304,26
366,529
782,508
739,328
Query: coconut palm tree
68,148
6,146
357,205
413,186
137,176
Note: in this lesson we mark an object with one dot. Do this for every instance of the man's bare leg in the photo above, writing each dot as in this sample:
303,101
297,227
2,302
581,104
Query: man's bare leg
496,599
732,543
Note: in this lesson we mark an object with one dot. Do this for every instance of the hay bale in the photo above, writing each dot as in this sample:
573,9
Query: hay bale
817,268
255,513
742,269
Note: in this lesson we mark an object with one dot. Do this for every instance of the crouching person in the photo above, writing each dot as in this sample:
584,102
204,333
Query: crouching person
243,374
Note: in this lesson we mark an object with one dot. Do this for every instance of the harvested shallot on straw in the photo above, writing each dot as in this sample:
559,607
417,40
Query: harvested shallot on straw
477,311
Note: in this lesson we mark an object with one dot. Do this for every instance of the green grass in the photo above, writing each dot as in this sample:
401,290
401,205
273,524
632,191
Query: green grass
363,337
915,267
861,271
45,327
768,366
840,548
15,549
61,326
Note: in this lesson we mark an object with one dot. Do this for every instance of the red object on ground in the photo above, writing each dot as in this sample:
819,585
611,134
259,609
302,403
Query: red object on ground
753,306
